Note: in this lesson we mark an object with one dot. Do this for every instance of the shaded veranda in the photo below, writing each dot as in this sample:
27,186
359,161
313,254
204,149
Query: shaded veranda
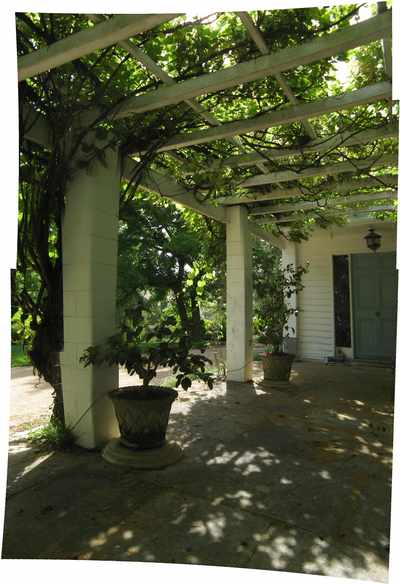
98,138
292,477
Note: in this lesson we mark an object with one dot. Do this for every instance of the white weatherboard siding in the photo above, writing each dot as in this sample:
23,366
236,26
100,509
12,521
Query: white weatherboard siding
315,323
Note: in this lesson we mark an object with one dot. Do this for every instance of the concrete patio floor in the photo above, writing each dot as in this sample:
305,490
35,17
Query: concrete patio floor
292,477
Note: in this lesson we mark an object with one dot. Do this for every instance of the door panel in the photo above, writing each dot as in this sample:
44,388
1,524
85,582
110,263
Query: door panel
374,294
388,338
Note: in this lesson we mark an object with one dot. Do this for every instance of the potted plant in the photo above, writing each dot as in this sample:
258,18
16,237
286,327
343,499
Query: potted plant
143,411
272,319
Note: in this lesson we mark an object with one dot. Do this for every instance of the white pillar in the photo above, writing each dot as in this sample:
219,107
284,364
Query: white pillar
239,328
289,257
90,240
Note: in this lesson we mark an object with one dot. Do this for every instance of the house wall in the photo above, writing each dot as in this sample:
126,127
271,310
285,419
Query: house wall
315,322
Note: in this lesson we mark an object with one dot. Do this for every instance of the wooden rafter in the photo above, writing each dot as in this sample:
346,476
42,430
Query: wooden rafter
86,41
345,212
284,116
166,186
387,180
156,70
386,44
323,170
320,145
359,198
290,58
115,30
262,46
365,217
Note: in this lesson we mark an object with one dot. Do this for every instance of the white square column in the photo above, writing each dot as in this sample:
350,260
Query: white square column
289,257
90,245
239,303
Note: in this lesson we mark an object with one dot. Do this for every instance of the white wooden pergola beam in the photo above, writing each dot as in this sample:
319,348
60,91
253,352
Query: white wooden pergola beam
361,217
346,213
262,46
365,218
158,72
290,58
387,180
87,41
378,208
324,170
320,145
153,180
167,186
284,116
386,44
259,232
36,127
361,198
287,219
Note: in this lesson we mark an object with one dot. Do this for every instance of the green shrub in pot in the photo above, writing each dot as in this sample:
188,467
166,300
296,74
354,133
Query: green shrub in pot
272,316
143,411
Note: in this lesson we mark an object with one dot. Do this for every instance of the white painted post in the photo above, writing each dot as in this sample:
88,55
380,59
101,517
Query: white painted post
239,329
289,257
90,240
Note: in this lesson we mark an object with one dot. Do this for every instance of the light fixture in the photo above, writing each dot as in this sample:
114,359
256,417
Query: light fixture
373,239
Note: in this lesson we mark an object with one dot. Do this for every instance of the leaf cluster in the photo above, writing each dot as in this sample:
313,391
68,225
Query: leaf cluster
274,310
142,350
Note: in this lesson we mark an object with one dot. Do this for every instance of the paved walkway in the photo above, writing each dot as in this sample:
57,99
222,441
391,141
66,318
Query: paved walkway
30,400
289,477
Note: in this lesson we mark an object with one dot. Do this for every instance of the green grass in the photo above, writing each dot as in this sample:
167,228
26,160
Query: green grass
19,358
53,436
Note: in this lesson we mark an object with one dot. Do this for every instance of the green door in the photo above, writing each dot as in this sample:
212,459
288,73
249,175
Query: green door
374,294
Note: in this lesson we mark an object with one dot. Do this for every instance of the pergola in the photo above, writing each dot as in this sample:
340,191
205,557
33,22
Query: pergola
267,196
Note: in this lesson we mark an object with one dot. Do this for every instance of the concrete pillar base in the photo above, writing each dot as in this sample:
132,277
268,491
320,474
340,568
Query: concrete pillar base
152,459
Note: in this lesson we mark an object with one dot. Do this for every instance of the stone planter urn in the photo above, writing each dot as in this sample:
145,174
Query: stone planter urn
143,415
277,366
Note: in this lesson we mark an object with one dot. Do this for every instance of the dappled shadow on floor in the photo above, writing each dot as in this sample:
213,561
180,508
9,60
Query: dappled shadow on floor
292,477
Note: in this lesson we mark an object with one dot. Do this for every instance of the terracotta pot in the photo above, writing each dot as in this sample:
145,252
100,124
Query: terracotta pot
277,366
143,415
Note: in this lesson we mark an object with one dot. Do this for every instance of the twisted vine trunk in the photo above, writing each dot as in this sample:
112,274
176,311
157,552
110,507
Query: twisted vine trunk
48,341
55,381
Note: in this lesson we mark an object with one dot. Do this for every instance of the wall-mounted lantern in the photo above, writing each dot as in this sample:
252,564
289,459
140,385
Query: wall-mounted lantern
373,239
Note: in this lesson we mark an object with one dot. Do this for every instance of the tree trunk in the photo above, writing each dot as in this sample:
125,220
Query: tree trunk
183,315
197,328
